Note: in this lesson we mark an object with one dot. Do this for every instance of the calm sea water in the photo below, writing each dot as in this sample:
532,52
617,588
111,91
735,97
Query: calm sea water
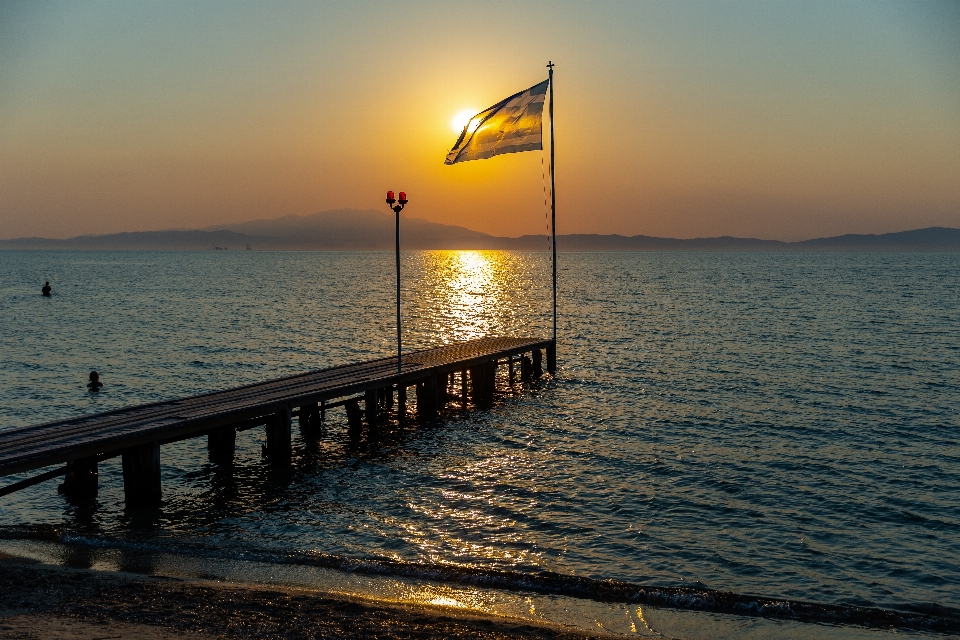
776,424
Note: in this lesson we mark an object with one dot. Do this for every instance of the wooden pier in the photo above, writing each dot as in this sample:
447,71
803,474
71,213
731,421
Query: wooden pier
137,433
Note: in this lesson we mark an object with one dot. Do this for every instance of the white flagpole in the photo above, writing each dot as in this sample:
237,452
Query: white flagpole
553,209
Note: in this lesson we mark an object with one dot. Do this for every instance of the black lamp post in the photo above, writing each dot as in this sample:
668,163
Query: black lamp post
397,206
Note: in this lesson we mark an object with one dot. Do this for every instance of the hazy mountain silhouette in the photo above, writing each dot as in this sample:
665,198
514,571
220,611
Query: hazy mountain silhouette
351,229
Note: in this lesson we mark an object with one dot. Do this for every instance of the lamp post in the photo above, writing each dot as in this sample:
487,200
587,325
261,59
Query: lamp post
397,206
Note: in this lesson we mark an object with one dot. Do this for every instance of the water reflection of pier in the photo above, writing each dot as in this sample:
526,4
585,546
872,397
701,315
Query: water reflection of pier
461,373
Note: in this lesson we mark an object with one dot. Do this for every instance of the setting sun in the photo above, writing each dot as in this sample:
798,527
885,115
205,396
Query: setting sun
462,118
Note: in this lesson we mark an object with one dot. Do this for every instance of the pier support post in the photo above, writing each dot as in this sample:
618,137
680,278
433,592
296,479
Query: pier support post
81,481
482,380
371,406
526,367
537,363
463,389
141,474
552,358
310,421
221,444
443,385
510,369
354,417
401,402
386,398
427,398
475,384
490,373
279,442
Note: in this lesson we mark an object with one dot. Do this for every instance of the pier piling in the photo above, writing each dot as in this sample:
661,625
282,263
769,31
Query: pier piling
279,439
354,417
386,397
82,479
371,404
427,398
221,444
482,382
526,367
537,363
310,421
552,358
443,389
141,474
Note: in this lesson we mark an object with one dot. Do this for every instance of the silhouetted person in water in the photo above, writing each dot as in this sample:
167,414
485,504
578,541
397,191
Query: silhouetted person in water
94,384
46,290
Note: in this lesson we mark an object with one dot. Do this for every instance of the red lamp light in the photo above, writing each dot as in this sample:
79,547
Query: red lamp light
390,199
403,197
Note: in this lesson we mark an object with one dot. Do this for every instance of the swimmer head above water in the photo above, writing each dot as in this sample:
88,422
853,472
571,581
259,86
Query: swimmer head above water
94,384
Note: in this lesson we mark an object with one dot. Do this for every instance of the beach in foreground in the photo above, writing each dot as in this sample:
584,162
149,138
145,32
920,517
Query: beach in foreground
45,601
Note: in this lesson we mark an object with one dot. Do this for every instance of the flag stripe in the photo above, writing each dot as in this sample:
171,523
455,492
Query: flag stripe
510,126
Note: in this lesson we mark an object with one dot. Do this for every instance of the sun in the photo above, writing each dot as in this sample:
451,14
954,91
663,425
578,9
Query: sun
462,118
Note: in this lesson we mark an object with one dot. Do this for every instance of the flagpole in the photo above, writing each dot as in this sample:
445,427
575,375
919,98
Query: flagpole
553,213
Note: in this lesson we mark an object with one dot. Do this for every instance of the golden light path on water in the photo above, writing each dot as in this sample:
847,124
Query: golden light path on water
466,295
463,295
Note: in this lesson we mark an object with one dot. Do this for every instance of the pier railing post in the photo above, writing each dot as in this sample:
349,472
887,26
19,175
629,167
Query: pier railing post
221,444
82,479
141,474
279,440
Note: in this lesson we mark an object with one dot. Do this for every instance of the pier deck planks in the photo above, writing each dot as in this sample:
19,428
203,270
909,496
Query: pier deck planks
27,448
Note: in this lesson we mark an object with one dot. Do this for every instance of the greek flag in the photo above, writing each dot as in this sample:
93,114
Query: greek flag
509,126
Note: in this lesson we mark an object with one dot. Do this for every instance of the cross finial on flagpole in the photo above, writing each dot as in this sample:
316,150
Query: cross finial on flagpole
550,65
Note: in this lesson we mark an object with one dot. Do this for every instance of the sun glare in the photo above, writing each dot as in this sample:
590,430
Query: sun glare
462,118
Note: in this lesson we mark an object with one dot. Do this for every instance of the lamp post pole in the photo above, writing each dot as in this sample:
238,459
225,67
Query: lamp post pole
397,206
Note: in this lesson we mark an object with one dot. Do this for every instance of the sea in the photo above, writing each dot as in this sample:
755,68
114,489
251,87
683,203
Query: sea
780,427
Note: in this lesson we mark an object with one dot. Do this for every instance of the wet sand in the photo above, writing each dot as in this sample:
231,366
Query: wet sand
45,601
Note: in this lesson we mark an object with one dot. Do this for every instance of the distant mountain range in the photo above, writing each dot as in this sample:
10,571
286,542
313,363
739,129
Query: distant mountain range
372,230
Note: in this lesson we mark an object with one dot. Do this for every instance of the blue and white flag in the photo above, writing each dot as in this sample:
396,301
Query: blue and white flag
509,126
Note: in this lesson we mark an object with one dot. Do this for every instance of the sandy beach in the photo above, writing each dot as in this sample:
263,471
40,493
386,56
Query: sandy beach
46,601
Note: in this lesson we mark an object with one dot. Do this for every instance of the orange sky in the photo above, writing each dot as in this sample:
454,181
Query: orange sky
774,120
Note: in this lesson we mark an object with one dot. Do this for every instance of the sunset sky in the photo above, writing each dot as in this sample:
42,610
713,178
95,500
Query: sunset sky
785,120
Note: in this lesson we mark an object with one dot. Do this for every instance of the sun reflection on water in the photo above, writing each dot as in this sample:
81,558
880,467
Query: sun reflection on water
470,294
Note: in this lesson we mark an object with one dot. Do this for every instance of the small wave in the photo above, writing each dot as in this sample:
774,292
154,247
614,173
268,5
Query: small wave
921,617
